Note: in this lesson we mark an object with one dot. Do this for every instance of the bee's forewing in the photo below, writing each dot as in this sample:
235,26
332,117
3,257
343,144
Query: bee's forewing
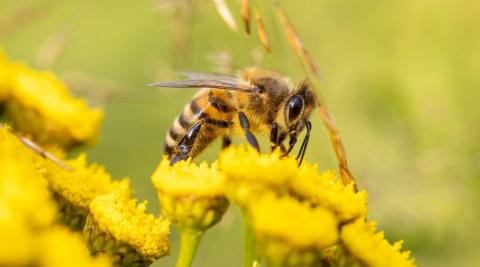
208,80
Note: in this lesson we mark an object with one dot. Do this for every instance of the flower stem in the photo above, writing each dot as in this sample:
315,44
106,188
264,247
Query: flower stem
189,241
251,258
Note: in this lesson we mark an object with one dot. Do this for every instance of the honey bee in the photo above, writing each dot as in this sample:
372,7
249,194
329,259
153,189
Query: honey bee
254,101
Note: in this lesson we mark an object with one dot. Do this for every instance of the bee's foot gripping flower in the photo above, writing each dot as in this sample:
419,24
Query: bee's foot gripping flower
193,197
291,233
120,228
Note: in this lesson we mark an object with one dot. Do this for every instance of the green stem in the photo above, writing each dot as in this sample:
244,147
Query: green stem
251,258
189,241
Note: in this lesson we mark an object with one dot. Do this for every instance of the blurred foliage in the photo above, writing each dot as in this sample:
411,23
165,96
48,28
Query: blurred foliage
400,77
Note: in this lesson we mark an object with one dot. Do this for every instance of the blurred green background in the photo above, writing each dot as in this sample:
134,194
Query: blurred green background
402,79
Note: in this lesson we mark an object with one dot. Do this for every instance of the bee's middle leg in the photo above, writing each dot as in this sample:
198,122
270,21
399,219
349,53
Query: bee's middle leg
246,128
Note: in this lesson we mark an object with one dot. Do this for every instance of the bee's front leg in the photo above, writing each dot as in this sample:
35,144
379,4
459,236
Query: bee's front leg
277,136
246,128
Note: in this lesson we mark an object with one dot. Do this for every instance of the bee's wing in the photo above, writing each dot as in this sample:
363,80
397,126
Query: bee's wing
209,80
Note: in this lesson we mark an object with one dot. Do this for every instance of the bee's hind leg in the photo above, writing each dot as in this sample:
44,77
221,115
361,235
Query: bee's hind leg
185,145
246,128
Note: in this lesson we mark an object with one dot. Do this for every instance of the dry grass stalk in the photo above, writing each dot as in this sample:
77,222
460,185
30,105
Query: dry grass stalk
225,13
296,43
262,31
245,8
53,48
305,58
18,18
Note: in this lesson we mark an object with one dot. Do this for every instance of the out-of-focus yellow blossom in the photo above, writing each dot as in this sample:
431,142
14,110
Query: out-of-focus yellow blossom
23,191
291,233
370,248
121,228
16,239
4,77
190,195
250,174
39,105
326,190
60,247
74,190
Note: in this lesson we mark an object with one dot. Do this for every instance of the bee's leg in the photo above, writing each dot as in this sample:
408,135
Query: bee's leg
185,145
303,148
274,136
291,144
226,141
246,128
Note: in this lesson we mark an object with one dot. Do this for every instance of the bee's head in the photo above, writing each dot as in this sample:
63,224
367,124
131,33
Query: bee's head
298,108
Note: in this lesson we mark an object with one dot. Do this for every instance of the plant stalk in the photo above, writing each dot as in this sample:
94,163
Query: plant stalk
189,241
251,257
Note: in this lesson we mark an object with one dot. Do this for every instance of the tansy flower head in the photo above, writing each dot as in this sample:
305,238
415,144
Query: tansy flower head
326,190
250,174
4,78
291,233
370,248
60,247
121,228
39,105
190,195
74,190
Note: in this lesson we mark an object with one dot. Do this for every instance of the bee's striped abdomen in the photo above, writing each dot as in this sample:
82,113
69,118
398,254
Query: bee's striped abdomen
209,106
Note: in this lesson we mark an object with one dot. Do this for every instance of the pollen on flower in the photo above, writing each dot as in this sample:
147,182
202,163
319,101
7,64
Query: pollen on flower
39,104
191,195
84,183
60,247
295,222
186,178
119,215
326,190
246,164
371,248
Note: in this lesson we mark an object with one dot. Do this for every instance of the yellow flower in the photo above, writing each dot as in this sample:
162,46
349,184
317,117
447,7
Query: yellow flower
60,247
16,239
74,190
326,190
370,248
250,174
23,191
4,78
39,105
121,228
190,195
291,233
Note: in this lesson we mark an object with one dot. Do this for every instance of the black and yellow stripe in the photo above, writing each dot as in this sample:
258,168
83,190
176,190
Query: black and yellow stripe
209,106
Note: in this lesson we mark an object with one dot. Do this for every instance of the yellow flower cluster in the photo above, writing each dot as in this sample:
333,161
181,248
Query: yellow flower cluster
61,247
290,232
250,174
297,214
29,235
371,248
192,196
39,105
326,190
75,189
120,216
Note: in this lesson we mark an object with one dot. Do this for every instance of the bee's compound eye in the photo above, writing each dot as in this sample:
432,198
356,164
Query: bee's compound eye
294,108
